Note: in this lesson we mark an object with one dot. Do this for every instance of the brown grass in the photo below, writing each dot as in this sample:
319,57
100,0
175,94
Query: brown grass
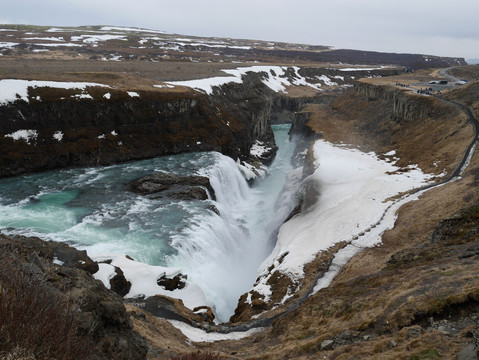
34,323
198,356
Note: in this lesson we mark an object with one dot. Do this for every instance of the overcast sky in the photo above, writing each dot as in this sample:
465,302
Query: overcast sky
434,27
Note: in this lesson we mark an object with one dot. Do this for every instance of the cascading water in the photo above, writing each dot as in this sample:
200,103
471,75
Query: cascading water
91,209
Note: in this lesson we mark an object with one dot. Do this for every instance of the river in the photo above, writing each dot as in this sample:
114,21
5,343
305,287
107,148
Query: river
92,209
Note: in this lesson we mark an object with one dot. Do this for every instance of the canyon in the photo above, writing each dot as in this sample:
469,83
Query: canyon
415,294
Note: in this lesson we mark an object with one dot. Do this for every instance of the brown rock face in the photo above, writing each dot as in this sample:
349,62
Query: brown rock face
188,187
71,257
178,282
100,131
73,131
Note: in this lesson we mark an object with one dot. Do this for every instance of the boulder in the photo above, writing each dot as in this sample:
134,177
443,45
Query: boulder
170,284
468,353
205,312
71,257
166,308
119,284
92,311
327,344
182,187
259,304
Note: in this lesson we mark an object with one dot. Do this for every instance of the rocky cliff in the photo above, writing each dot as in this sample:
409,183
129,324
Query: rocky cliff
52,307
405,105
59,127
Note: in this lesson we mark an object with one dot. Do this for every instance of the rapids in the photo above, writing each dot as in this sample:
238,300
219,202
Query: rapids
91,209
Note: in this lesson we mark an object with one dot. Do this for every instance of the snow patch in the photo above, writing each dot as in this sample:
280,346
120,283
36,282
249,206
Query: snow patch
199,335
57,262
258,149
327,81
130,29
251,172
277,78
8,45
363,68
94,39
26,135
13,89
143,278
105,273
206,85
133,94
58,135
60,39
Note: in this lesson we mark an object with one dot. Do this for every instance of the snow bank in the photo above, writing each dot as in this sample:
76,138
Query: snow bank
277,78
199,335
144,278
13,89
259,149
354,195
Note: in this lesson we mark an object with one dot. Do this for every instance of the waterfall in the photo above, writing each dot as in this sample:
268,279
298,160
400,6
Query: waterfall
221,253
218,244
216,250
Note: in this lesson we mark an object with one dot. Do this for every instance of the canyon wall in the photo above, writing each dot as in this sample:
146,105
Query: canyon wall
422,130
405,105
60,127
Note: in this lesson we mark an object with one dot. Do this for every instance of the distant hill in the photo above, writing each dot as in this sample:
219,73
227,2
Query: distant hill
113,43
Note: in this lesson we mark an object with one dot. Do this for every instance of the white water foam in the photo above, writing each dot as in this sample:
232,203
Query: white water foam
92,209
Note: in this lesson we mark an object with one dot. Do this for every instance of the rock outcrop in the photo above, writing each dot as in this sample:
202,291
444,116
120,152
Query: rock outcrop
68,130
95,314
185,188
406,106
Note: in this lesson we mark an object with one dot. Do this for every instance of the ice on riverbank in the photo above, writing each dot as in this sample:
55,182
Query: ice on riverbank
355,190
199,335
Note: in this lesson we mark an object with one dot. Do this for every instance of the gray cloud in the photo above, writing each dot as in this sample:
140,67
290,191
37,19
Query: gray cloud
437,27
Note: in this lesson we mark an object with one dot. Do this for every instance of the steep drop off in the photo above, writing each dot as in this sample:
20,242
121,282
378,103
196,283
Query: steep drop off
105,126
415,295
